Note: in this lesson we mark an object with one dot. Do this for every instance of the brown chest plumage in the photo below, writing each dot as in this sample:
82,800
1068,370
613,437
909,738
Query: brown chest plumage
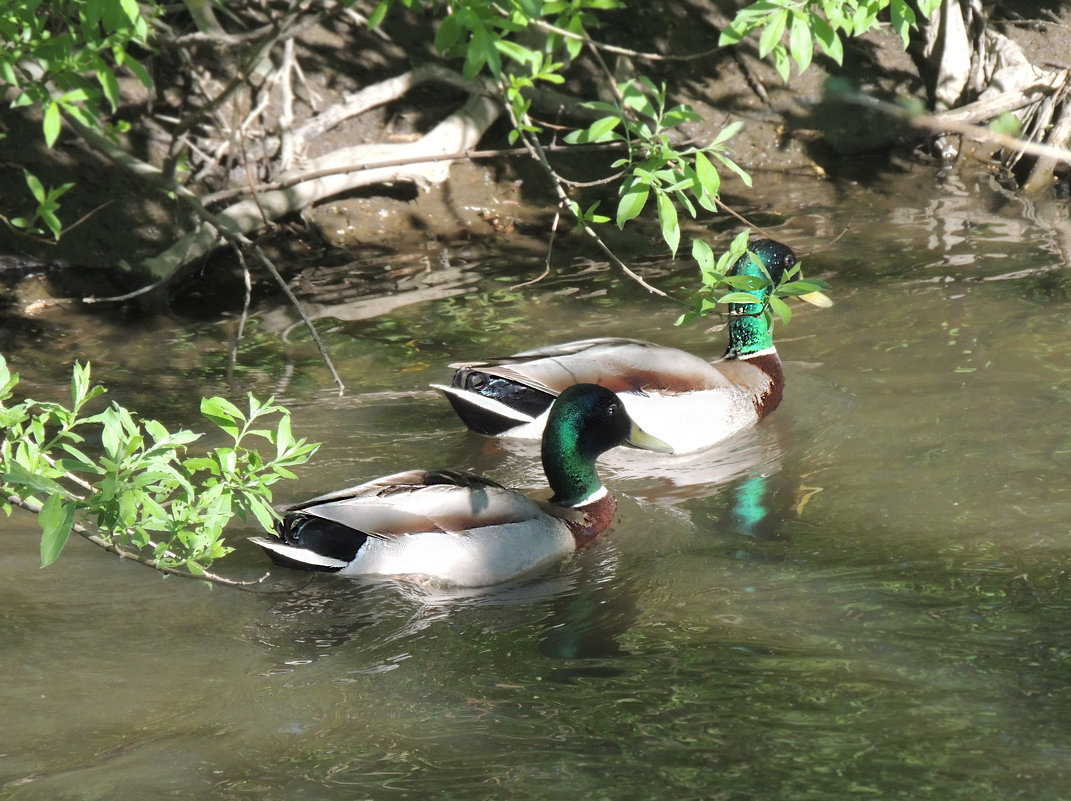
594,519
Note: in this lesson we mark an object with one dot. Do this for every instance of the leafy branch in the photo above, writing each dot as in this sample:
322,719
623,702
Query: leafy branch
716,278
821,22
142,496
654,166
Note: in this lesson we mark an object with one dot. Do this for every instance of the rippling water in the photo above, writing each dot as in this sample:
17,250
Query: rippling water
867,596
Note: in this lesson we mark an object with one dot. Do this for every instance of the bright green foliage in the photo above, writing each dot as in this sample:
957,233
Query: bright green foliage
64,57
46,206
653,165
502,40
51,48
483,32
821,21
716,281
141,490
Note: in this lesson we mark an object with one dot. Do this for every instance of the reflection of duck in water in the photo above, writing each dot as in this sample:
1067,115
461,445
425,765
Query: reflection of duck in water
679,398
460,528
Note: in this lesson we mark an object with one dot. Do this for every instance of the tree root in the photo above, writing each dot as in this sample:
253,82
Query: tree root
458,132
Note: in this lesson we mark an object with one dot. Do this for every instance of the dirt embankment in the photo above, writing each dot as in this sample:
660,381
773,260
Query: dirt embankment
790,131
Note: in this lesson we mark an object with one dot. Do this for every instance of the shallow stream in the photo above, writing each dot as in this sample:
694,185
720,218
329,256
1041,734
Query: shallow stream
866,597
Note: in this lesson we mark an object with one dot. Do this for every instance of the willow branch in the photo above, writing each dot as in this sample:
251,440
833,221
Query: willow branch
536,151
108,545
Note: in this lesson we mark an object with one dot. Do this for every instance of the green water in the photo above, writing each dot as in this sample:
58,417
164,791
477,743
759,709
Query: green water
867,597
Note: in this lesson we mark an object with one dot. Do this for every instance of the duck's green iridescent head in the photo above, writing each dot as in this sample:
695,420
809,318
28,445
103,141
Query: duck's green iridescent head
585,421
748,330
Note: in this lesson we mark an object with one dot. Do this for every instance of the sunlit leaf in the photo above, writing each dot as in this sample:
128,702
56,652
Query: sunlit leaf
51,123
800,43
703,254
56,519
772,32
632,203
667,217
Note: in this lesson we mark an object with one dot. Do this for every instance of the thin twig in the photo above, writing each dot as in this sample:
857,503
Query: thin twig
245,312
734,213
550,249
68,228
221,225
547,27
267,264
286,113
537,153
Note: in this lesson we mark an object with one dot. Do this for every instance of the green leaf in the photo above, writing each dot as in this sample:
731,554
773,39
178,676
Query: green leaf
109,85
1007,124
35,185
572,46
732,34
56,519
17,474
709,179
703,254
51,123
448,33
781,61
632,203
772,32
903,20
727,133
130,8
53,223
828,40
602,130
667,216
223,413
738,297
139,72
263,513
378,13
732,165
800,42
781,309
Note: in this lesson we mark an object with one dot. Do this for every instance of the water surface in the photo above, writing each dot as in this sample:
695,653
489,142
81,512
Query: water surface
865,597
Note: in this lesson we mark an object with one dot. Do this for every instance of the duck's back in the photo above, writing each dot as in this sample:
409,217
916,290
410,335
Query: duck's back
621,365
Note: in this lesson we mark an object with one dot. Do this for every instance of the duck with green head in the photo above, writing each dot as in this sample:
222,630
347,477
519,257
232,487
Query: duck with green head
683,400
461,529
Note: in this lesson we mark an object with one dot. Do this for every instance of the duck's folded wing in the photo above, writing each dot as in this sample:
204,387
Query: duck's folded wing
423,501
622,365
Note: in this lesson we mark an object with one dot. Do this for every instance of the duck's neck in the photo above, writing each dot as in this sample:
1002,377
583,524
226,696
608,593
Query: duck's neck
570,474
749,335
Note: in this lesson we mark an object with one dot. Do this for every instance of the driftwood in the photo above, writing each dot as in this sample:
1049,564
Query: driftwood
457,133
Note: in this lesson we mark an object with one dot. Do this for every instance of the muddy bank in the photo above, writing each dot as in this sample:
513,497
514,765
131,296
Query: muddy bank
790,133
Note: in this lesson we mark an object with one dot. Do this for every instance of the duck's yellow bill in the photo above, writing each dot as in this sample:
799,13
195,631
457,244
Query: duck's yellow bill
641,439
816,298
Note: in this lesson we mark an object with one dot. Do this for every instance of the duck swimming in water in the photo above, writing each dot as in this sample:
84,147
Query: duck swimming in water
679,398
461,529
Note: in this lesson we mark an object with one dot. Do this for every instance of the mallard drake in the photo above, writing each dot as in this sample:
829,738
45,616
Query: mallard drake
673,395
462,529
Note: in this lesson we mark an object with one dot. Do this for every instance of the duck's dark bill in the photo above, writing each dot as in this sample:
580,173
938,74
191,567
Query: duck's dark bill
641,439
